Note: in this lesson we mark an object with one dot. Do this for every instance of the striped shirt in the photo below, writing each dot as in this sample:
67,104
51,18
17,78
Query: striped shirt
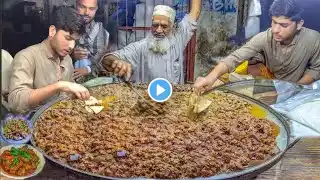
95,40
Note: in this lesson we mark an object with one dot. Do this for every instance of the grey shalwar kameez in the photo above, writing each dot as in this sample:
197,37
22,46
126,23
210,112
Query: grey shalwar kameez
148,65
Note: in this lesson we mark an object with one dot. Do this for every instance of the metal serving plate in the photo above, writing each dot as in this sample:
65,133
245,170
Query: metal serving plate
283,143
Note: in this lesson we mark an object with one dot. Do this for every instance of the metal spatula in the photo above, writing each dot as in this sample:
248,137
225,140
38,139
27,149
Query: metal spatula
144,100
128,83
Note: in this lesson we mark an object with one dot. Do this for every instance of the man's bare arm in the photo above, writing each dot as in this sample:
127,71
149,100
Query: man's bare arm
195,9
218,71
41,94
229,63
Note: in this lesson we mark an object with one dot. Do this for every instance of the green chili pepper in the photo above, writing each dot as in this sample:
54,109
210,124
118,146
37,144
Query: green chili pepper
25,155
14,151
19,152
15,162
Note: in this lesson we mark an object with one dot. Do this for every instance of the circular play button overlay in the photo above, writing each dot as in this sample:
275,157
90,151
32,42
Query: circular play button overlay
160,90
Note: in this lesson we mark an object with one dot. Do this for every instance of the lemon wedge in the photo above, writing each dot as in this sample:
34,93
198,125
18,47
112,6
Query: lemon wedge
258,112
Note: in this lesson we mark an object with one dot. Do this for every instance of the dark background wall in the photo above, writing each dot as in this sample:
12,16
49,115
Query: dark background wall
311,13
23,24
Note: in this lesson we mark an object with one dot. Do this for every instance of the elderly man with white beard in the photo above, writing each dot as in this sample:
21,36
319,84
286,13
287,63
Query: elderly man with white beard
160,54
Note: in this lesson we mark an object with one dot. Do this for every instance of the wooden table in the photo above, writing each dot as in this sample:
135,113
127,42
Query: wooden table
301,162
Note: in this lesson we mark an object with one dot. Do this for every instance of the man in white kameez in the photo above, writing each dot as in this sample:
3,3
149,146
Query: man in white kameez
160,54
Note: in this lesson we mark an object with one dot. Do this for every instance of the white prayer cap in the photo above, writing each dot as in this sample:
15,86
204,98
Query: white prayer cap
163,10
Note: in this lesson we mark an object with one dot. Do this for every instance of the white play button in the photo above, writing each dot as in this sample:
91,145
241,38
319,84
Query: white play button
160,90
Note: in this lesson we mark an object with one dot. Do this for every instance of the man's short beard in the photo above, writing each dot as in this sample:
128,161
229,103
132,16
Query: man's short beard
158,45
87,19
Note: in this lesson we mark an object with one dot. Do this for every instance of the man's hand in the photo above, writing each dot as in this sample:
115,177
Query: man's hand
203,84
79,72
77,89
119,68
80,53
122,68
306,80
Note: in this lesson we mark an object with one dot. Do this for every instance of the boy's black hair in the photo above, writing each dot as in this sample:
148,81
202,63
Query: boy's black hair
287,8
67,19
98,2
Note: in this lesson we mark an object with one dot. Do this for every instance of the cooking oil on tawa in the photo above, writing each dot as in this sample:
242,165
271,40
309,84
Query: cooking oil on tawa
258,112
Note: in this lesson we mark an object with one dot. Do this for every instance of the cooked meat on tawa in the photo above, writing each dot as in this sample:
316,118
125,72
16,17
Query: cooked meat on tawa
127,141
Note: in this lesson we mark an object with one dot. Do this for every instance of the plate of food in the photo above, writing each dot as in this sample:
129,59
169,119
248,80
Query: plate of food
20,161
16,129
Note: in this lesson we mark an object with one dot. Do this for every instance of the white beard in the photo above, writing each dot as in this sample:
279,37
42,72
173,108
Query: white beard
158,45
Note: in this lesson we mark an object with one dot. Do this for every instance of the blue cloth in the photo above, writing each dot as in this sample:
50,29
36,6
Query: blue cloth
82,63
120,14
130,6
181,8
